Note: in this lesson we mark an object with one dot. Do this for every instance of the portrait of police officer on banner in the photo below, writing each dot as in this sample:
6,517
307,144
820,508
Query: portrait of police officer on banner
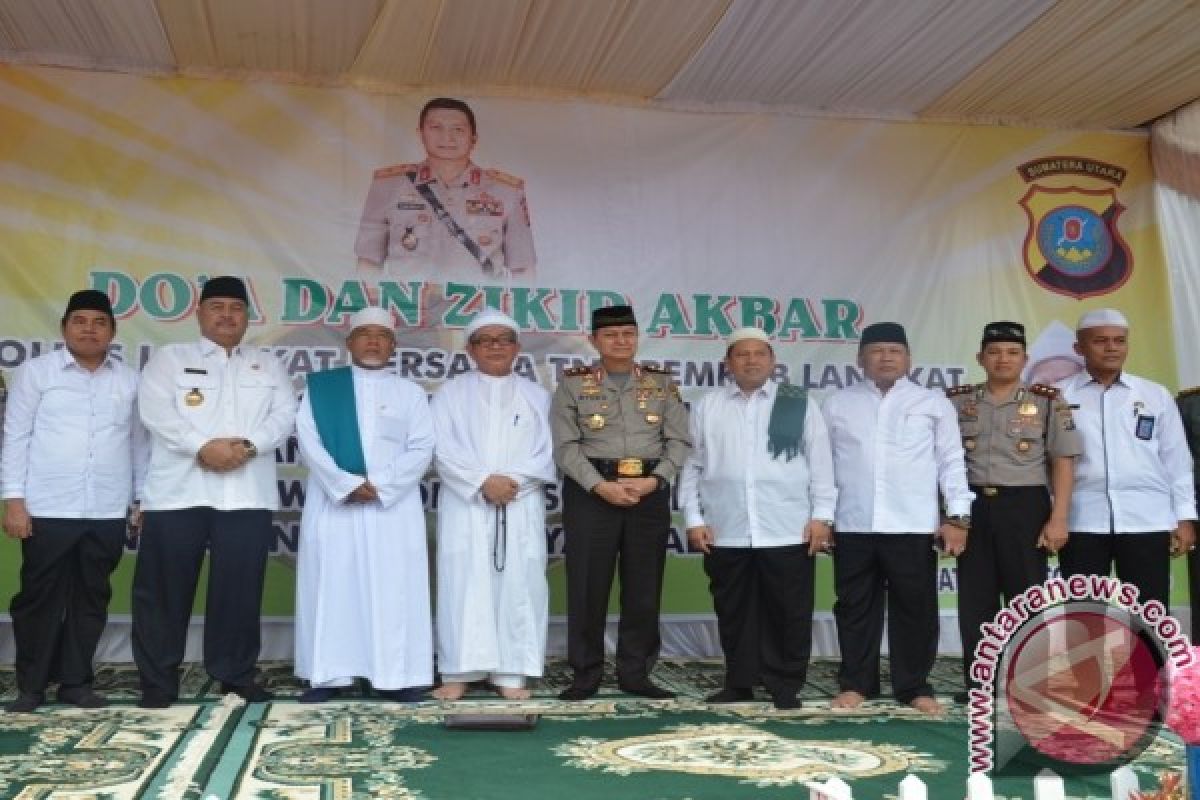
445,217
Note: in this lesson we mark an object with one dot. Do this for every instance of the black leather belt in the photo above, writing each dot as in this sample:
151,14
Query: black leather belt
613,468
997,491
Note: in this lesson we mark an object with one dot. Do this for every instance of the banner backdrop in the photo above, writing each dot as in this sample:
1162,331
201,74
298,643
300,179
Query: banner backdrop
810,228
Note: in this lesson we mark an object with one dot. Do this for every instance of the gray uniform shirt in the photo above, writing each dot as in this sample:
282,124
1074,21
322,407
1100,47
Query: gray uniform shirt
591,416
1011,442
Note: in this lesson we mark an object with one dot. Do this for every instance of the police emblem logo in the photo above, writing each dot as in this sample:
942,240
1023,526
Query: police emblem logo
193,398
1072,246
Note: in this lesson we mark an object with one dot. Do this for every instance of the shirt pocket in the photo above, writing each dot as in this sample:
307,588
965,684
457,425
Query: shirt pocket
392,427
410,233
916,429
486,232
196,394
114,409
1025,440
255,390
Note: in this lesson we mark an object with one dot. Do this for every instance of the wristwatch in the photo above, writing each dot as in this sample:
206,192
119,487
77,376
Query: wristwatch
826,522
959,520
251,450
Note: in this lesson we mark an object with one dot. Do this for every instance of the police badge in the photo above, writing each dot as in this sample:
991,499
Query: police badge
1072,245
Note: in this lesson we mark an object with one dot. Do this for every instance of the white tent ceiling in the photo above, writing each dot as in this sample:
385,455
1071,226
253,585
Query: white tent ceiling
1072,63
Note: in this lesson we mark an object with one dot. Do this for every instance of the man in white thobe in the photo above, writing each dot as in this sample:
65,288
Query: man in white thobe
494,455
362,583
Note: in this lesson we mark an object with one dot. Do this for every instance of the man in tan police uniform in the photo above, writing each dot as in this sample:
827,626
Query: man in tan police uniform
445,217
620,435
1016,437
1189,409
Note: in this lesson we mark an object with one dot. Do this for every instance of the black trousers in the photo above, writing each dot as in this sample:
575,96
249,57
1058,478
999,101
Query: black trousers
1194,592
1002,558
170,554
1142,559
896,573
600,540
764,603
61,607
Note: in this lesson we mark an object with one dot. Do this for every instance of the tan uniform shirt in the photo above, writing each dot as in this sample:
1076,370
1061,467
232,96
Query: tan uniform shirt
1189,409
399,226
1011,442
592,416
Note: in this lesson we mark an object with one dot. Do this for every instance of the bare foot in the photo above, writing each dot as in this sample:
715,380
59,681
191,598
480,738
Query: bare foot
847,699
450,691
513,693
927,705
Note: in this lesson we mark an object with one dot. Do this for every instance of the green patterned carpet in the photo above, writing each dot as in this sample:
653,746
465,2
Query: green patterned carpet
614,747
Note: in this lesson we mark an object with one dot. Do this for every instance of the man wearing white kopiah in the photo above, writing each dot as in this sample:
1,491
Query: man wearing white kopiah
362,583
494,456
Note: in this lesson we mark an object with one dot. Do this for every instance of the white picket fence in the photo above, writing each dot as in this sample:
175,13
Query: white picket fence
1046,786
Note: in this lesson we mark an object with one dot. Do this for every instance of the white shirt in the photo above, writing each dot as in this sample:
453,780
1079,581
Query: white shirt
73,446
195,392
1124,482
891,454
732,484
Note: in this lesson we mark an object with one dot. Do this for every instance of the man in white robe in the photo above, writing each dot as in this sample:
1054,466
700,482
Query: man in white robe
494,455
362,583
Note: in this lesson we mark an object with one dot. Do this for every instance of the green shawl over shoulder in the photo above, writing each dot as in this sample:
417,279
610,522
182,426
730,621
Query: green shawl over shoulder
331,396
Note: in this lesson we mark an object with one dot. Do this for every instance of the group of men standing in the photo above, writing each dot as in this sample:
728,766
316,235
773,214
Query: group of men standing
999,474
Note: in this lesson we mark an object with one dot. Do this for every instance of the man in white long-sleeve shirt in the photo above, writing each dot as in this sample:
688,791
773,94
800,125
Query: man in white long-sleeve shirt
216,410
895,444
362,580
494,456
1134,501
758,500
74,454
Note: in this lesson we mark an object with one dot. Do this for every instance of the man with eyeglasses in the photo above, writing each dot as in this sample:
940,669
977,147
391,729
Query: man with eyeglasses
620,436
362,578
494,457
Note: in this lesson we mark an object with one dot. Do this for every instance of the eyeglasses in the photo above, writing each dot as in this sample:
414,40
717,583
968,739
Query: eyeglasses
493,341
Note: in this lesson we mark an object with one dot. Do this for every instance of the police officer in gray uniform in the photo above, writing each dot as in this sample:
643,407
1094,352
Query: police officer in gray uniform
620,435
1016,438
1189,408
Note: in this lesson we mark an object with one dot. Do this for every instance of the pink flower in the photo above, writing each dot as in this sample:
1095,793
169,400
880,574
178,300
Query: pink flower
1183,710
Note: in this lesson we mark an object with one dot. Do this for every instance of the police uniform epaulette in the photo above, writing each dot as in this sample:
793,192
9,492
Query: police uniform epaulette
1195,390
955,391
504,177
1044,390
575,372
394,170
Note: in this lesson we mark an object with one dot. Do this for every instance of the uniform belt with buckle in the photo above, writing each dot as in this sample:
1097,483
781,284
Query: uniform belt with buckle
996,491
611,468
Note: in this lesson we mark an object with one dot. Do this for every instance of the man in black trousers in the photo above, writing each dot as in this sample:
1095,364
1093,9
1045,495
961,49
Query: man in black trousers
620,435
73,452
1020,443
216,410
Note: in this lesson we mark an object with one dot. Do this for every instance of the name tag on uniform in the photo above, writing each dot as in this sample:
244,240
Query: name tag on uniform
195,371
1145,427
